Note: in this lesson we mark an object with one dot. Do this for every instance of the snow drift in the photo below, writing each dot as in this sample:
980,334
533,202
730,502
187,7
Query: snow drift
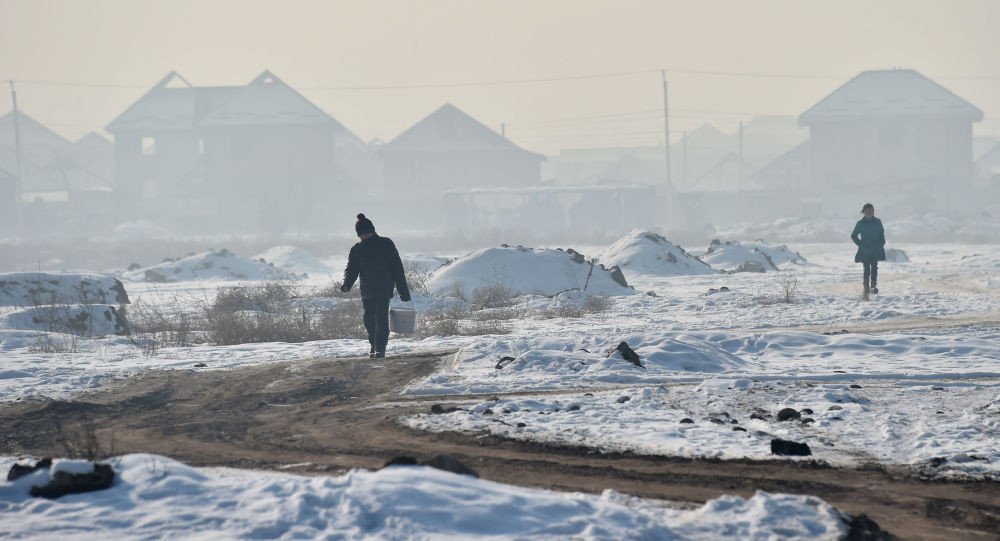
525,271
43,288
750,256
159,498
82,320
649,253
210,265
293,259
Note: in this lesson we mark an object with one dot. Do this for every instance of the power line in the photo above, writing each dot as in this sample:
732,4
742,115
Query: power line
743,74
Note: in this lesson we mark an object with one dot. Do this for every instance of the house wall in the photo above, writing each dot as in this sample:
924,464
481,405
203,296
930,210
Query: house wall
140,177
415,180
906,162
425,175
272,177
851,153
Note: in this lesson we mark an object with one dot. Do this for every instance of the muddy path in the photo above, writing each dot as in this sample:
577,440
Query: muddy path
329,415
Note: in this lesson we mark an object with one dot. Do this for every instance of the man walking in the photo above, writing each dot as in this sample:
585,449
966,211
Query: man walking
376,260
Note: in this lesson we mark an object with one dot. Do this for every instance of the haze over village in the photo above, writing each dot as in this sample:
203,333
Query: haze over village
521,269
485,145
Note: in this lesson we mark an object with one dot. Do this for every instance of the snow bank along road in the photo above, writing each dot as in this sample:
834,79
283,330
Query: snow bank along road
330,415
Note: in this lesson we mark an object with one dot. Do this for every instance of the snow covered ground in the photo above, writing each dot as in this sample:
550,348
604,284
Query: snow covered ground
721,350
156,497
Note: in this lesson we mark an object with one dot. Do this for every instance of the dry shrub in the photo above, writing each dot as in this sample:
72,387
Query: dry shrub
272,312
788,287
494,295
593,304
266,297
417,275
156,324
50,343
458,320
81,441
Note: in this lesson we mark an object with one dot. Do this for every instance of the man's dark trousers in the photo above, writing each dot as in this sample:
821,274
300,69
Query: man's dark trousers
377,321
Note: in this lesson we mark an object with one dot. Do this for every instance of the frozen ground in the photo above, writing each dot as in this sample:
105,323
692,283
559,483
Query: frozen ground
913,392
156,497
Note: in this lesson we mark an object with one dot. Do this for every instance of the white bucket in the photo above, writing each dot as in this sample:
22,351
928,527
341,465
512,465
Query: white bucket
402,320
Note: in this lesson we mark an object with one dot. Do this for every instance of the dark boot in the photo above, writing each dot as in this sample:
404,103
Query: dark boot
378,355
867,289
874,288
371,353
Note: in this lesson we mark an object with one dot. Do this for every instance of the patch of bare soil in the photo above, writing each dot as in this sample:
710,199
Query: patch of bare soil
329,415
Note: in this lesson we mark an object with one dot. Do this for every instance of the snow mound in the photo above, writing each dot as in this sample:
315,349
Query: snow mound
895,255
293,259
526,271
750,256
82,320
156,497
649,253
211,265
42,288
501,364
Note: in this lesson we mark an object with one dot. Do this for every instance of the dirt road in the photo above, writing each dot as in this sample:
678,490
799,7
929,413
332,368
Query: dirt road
327,415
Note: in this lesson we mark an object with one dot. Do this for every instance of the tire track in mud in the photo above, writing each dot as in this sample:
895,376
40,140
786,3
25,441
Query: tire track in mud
328,415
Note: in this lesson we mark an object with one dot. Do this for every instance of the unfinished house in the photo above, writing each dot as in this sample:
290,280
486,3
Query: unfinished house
893,137
259,158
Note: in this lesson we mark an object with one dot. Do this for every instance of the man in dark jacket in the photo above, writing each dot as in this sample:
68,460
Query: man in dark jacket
376,260
869,235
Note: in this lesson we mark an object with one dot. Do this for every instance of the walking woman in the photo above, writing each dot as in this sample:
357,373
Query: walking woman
869,235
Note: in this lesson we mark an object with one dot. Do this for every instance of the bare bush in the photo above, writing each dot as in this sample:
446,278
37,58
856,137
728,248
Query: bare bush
596,304
49,343
494,295
286,322
157,324
593,304
459,320
441,320
332,291
81,441
341,321
266,296
788,286
417,275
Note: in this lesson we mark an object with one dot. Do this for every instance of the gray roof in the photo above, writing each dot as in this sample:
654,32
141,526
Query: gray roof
266,100
38,142
450,129
890,93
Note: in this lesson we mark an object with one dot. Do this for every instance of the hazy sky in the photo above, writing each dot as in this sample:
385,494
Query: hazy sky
319,46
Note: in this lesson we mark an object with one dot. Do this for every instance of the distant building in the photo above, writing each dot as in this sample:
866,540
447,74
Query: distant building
65,187
254,158
988,176
891,136
450,150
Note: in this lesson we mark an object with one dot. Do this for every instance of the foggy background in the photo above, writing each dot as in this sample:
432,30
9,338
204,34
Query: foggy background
151,129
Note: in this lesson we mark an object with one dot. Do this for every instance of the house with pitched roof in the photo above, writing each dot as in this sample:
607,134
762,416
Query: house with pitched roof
891,135
450,150
63,186
259,157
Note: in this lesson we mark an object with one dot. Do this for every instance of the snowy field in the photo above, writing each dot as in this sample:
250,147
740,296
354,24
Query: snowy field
156,497
914,384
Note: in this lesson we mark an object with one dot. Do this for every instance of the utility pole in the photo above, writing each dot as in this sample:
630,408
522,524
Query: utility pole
666,125
741,156
684,177
17,159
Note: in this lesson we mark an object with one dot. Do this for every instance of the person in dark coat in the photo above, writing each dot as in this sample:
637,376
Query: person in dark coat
869,235
376,260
